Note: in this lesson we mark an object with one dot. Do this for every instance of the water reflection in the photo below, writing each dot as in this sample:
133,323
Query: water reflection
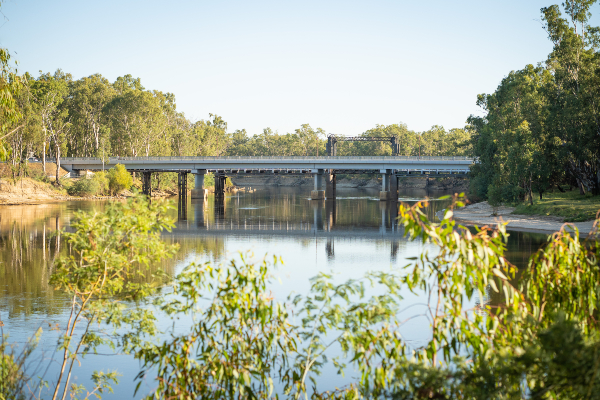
347,237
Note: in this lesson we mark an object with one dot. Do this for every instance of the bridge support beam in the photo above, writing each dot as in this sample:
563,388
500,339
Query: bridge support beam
198,192
182,198
317,193
147,183
330,186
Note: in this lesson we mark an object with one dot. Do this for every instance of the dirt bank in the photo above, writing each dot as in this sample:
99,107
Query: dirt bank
29,191
481,214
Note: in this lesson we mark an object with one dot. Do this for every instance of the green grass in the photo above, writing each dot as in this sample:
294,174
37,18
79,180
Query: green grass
570,205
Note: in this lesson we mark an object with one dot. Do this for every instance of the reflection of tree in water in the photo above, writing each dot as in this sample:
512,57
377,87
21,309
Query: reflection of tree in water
520,247
30,241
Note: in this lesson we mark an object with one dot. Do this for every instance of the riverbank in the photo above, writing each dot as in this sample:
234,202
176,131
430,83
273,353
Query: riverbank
481,214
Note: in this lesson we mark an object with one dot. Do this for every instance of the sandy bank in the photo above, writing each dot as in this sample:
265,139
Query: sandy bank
480,214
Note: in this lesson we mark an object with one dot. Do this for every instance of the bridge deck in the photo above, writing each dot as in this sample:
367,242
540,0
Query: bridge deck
241,164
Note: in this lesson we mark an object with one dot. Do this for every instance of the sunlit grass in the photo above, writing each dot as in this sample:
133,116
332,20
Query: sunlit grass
571,205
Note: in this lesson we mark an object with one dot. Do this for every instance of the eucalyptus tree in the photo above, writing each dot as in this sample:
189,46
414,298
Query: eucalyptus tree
86,102
50,92
240,144
25,138
311,141
209,137
137,119
575,95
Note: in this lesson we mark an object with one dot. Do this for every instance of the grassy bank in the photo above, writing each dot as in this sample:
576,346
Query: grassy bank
570,205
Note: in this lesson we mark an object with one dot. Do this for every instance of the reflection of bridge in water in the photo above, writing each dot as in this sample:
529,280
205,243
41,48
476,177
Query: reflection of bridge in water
203,220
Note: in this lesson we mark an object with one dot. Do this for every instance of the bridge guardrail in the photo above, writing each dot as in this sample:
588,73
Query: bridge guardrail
291,158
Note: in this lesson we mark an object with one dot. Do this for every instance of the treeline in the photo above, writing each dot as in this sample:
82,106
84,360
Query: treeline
58,116
542,127
305,141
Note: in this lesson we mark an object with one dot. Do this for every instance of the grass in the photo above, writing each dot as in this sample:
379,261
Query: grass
570,205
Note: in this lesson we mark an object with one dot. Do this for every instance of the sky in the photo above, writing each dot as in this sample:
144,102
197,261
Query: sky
344,66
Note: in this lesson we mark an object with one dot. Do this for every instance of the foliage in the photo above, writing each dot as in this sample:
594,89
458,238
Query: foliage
109,263
478,349
119,179
84,187
541,124
14,379
239,342
10,84
101,178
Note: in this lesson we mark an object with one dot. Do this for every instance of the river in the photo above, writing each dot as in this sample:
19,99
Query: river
349,237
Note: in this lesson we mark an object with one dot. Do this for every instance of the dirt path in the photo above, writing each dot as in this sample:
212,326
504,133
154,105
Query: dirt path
480,214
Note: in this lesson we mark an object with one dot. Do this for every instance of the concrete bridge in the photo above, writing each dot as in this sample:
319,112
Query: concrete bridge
323,169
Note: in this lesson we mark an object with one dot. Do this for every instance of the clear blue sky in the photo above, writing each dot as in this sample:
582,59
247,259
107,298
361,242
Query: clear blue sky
344,66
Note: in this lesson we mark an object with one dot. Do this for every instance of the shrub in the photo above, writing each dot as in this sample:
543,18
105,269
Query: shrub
102,179
84,187
119,179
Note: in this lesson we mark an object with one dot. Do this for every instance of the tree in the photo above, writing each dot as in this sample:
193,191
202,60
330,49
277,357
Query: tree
86,102
109,263
50,92
119,179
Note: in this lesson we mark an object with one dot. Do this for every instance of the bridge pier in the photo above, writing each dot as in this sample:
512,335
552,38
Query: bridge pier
182,198
220,186
198,192
317,193
388,191
147,183
330,186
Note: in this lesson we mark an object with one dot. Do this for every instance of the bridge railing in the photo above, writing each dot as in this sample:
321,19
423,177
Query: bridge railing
294,158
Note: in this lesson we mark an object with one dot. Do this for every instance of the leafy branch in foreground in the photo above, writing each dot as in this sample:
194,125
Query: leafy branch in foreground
109,263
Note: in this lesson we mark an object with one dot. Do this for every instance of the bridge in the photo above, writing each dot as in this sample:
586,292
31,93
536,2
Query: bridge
323,169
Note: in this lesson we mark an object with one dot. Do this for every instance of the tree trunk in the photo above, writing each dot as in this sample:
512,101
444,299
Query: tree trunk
581,187
560,189
44,157
530,193
540,192
57,180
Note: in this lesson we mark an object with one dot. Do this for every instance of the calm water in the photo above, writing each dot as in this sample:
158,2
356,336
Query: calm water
348,237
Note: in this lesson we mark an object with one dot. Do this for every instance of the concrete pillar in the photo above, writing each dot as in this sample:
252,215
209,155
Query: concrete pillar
330,186
394,186
317,193
198,192
385,194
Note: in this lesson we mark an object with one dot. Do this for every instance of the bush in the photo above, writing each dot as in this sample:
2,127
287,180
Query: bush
119,179
102,179
84,187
